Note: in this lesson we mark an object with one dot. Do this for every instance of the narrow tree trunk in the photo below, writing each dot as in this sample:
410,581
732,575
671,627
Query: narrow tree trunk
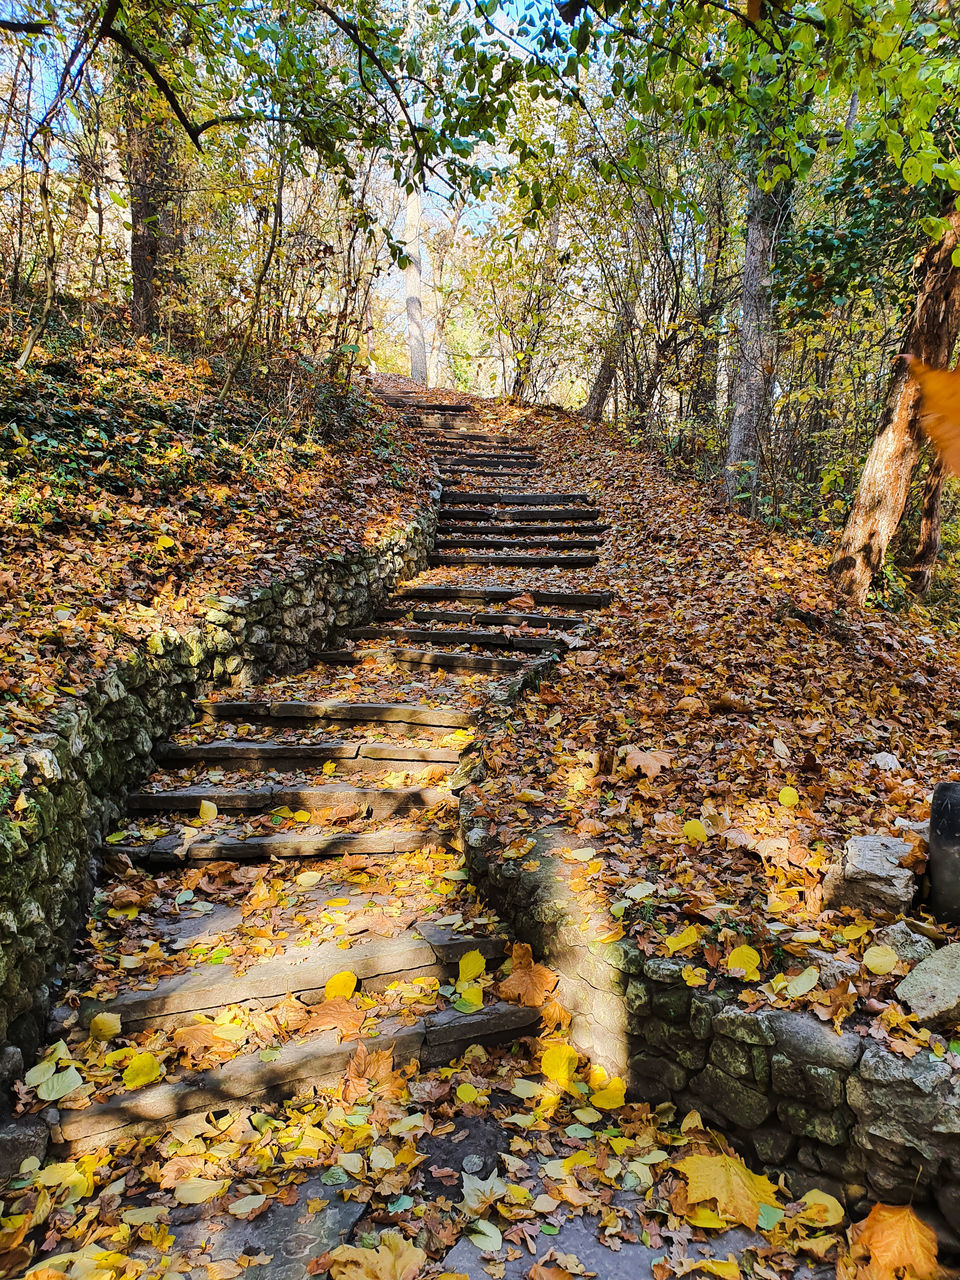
370,335
600,391
927,550
756,341
415,338
885,480
49,259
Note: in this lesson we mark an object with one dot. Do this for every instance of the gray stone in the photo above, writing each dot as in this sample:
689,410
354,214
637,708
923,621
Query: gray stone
654,1079
802,1037
869,876
730,1097
820,1085
738,1024
932,989
828,1127
676,1042
911,947
773,1144
638,997
21,1138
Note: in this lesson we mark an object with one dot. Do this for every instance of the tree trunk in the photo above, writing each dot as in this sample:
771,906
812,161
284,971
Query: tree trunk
756,339
415,339
600,391
148,155
927,550
49,258
885,480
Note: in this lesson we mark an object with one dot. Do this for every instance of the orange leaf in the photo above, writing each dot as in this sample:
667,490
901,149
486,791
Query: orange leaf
339,1015
896,1238
528,984
525,601
941,404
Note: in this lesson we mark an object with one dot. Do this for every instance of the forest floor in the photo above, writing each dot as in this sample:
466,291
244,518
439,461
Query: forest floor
709,748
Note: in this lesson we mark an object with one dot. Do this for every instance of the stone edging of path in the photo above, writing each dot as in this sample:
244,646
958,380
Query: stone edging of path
75,776
846,1113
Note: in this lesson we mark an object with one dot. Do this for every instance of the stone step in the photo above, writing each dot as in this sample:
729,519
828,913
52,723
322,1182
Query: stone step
484,594
297,755
426,950
410,400
183,848
462,663
491,541
513,561
495,498
433,1040
488,457
482,639
371,802
505,471
456,616
483,515
364,713
497,529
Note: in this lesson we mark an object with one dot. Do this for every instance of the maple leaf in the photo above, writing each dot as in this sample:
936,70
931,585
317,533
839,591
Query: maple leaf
649,763
896,1240
340,1015
524,601
737,1191
554,1017
941,403
539,1271
528,984
393,1259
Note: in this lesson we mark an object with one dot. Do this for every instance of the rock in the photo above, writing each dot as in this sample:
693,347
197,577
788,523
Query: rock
887,761
19,1139
870,876
910,947
802,1038
932,989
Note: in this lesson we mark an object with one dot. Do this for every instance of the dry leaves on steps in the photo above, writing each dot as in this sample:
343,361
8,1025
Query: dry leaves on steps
393,1259
528,984
891,1242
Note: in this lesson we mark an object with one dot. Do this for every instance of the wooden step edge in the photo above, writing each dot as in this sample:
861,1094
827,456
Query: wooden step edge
479,618
433,1040
482,639
175,851
560,599
499,498
423,950
375,802
342,712
472,543
512,561
403,657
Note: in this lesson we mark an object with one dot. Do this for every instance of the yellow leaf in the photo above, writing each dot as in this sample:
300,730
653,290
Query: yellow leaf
879,959
104,1026
208,810
701,1216
467,1093
694,832
746,959
726,1268
142,1069
309,880
302,815
341,986
738,1193
820,1209
851,932
803,982
693,977
165,543
199,1190
472,996
610,1098
789,797
897,1238
393,1259
558,1064
472,965
688,937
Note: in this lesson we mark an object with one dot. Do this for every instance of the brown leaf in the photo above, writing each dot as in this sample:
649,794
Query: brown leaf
528,983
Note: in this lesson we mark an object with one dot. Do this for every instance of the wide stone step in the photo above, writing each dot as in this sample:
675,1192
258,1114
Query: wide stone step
465,617
504,471
513,561
483,639
183,848
486,457
462,663
496,529
426,950
410,400
562,515
485,594
371,802
501,498
434,1040
364,713
305,755
492,542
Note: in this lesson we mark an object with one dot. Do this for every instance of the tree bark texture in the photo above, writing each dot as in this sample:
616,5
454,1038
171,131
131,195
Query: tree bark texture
414,288
931,334
927,550
612,352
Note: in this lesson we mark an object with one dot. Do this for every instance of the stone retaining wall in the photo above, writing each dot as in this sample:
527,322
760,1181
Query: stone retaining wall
841,1110
74,778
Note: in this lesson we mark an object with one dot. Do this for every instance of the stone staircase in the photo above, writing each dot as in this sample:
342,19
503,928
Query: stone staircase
309,827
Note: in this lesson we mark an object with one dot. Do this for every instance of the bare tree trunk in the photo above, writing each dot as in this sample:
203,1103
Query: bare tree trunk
756,339
924,562
600,391
414,282
370,335
885,480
